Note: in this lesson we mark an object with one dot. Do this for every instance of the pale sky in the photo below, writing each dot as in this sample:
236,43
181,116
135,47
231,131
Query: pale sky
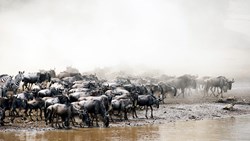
204,37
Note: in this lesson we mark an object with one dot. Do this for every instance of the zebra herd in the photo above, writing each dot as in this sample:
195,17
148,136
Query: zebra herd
68,94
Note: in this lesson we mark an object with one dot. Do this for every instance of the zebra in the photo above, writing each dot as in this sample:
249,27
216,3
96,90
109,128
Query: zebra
3,78
5,84
15,83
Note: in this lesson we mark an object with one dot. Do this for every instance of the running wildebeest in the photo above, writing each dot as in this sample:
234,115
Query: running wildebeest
220,82
167,89
148,101
183,83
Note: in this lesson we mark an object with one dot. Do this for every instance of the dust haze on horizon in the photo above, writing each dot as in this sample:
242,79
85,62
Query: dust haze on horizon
175,37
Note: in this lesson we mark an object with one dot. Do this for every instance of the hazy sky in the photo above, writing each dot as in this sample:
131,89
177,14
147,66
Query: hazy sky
205,37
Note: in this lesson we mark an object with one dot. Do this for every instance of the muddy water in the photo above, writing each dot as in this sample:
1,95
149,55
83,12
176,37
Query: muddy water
222,129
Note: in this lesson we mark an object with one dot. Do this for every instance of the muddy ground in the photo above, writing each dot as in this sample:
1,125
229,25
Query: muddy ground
192,107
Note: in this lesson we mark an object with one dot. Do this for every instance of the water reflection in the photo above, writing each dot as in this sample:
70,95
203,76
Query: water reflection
223,129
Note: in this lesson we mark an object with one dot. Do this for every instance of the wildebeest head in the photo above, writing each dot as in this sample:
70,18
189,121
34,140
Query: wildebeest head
63,99
193,83
230,84
156,101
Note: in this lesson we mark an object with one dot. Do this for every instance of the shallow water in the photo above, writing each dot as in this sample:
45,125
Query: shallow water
220,129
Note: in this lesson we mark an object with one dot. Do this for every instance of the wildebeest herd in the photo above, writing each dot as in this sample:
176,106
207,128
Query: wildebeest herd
63,98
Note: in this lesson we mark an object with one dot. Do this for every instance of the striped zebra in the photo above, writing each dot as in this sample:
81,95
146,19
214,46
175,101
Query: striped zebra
5,84
3,78
15,83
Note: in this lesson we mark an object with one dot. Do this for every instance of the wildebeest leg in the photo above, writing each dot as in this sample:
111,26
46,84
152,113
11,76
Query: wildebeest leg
182,91
151,111
24,85
125,114
30,114
41,113
134,112
57,122
111,112
146,115
73,121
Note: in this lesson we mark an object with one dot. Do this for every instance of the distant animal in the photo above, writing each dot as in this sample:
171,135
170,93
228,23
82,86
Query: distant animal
221,83
183,83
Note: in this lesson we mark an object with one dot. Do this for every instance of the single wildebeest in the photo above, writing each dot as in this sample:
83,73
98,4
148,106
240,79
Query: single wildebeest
60,110
62,99
81,113
221,83
35,104
96,107
121,105
32,78
103,98
167,89
17,103
148,101
25,95
183,83
48,92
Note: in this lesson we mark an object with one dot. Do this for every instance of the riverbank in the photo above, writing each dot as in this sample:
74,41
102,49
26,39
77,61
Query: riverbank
170,112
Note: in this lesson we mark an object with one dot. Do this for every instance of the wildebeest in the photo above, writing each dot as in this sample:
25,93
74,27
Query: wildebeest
60,110
96,107
220,82
24,95
35,104
166,89
62,99
183,83
201,82
148,101
121,105
48,92
103,98
32,78
17,103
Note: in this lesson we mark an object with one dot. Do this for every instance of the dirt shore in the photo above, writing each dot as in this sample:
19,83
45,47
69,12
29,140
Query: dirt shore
177,109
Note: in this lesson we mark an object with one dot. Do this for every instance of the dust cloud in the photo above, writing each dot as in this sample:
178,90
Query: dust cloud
206,37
